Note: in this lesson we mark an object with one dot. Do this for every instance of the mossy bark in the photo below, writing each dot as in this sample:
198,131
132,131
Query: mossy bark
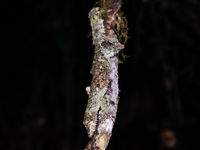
101,110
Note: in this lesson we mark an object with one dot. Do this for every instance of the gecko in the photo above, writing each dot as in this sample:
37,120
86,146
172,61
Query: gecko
101,95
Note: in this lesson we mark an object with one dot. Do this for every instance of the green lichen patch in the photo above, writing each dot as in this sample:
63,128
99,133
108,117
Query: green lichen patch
121,27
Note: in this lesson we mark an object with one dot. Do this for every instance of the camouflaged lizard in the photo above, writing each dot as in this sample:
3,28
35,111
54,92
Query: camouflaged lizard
101,109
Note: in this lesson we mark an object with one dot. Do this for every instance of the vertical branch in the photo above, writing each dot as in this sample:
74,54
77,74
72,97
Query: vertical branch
101,110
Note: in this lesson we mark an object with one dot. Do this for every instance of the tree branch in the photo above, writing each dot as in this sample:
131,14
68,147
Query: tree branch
101,110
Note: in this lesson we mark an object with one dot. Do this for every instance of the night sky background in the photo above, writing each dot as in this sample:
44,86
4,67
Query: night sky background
46,59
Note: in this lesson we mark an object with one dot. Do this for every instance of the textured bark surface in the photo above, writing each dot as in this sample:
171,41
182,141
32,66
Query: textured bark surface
101,110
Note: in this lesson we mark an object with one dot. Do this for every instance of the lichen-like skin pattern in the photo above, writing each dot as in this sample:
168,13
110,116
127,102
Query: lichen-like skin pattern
101,110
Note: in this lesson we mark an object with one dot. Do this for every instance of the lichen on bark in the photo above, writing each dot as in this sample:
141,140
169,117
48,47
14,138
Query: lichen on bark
102,104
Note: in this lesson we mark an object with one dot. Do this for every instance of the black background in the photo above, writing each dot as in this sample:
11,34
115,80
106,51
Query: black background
46,60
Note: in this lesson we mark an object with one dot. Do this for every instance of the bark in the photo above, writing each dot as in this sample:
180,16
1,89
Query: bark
101,110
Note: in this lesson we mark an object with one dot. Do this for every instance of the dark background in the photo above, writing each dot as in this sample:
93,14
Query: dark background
46,66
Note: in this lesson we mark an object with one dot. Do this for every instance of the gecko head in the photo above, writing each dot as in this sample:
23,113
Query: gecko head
94,12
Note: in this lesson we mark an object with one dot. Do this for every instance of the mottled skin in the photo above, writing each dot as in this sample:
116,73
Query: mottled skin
101,110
